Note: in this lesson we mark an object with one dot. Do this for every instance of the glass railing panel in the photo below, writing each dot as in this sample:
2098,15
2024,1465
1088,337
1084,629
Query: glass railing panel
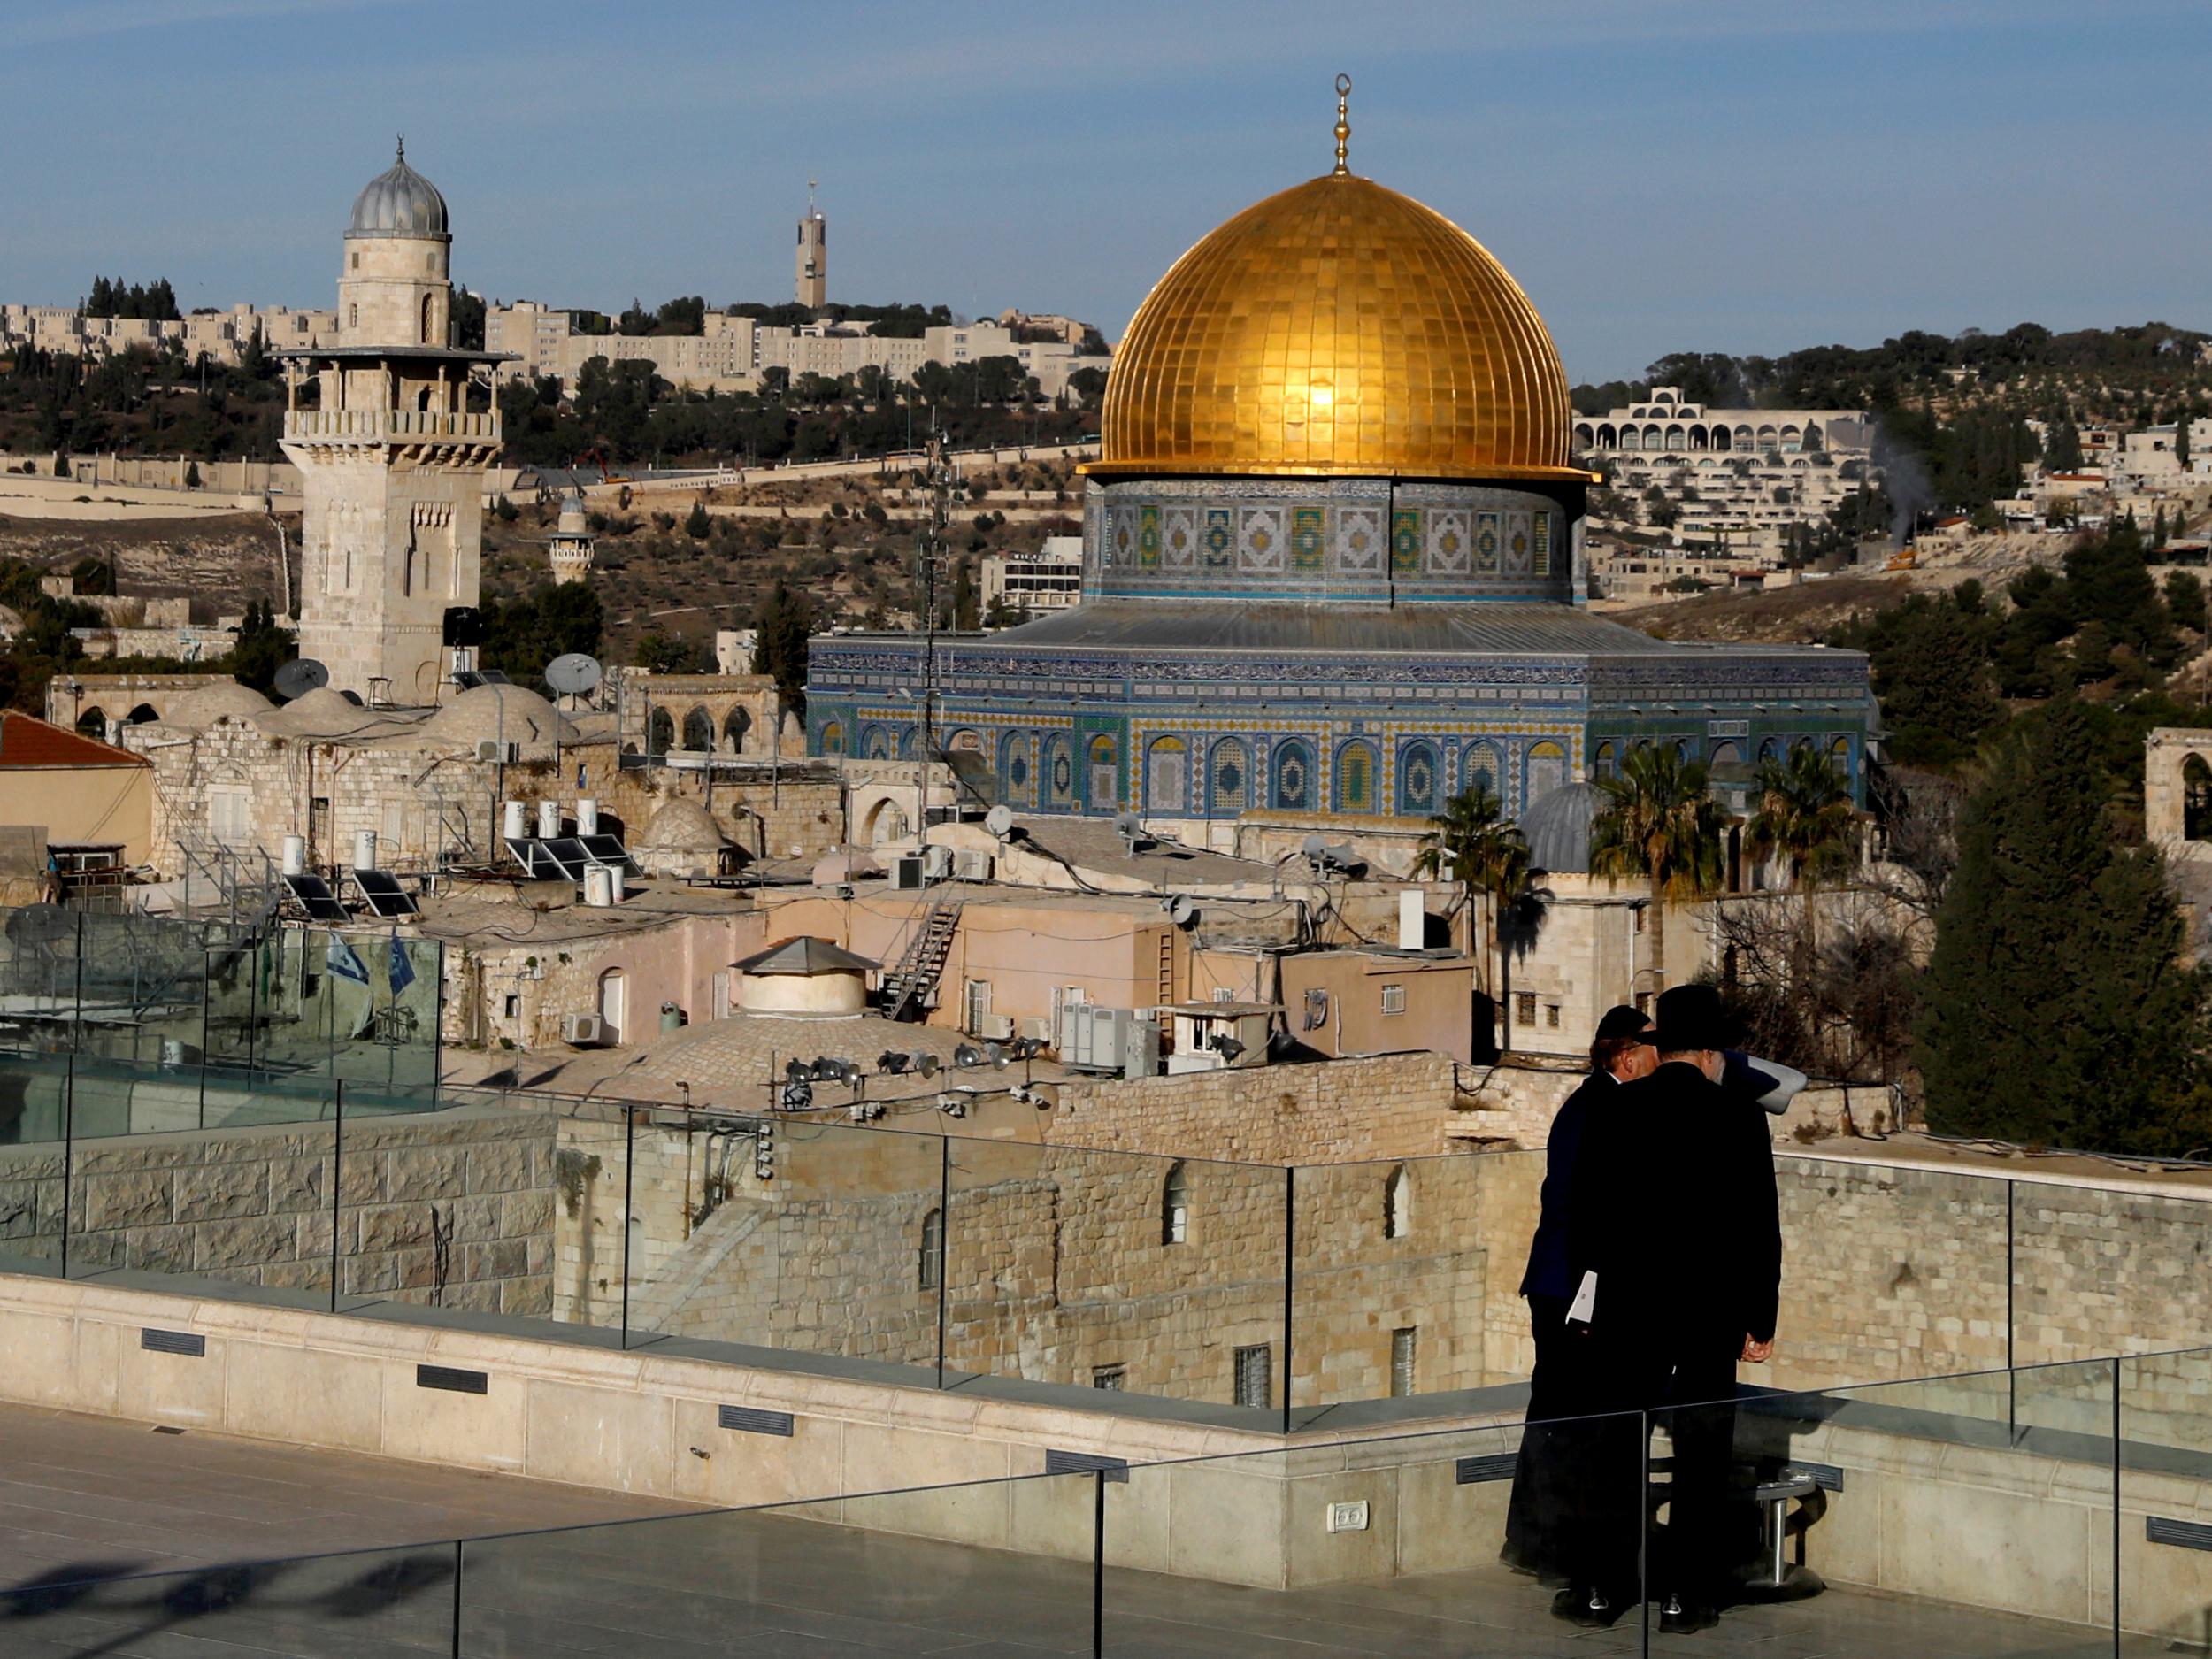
769,1230
2097,1268
995,1566
33,1161
1081,1269
2165,1502
369,1604
209,1182
1970,1515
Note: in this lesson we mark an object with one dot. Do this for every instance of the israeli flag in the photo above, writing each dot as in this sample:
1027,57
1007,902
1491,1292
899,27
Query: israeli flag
403,970
341,960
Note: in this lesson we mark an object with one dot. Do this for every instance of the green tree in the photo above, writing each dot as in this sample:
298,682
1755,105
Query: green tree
2055,945
786,622
697,526
192,475
262,647
1658,825
1472,844
1804,816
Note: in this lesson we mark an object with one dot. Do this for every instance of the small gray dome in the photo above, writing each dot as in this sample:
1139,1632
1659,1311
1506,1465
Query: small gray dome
399,202
1558,828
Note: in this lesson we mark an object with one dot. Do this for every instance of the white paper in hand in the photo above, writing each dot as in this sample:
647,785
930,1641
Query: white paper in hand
1585,1302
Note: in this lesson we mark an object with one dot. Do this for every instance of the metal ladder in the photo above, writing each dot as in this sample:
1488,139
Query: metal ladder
906,985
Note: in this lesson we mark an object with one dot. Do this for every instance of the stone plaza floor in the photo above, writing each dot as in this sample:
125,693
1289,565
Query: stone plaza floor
119,1540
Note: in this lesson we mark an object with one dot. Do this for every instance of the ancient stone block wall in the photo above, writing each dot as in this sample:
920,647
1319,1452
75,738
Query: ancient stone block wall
453,1208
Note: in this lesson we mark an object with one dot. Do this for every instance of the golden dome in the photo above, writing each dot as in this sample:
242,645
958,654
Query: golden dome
1338,328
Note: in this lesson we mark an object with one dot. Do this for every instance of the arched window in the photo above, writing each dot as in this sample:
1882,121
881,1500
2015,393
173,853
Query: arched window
1354,790
2196,799
1230,770
1606,763
886,823
1725,754
1419,776
426,315
875,743
660,732
1103,766
1720,438
1292,790
832,738
1479,769
1840,757
736,726
1059,775
141,715
1629,440
1017,769
1175,1206
1547,771
353,316
1398,1204
699,731
967,741
1167,772
909,735
1768,750
94,723
930,1259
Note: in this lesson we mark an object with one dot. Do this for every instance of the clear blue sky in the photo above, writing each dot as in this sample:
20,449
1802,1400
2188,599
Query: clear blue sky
1715,175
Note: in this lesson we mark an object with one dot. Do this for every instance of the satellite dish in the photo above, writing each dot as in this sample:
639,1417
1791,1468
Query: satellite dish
574,675
999,821
300,676
39,924
1183,912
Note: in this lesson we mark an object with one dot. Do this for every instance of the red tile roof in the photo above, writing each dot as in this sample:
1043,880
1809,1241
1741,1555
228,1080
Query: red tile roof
26,741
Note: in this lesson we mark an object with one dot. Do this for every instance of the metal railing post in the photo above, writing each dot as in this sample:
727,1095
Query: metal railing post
337,1180
1098,1564
457,1551
629,1168
944,1243
68,1149
1290,1238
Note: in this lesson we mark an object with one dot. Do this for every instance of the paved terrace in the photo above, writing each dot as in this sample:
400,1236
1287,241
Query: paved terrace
89,1506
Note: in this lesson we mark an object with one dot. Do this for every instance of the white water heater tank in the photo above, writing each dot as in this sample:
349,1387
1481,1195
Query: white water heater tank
365,850
549,819
296,854
598,886
586,817
510,821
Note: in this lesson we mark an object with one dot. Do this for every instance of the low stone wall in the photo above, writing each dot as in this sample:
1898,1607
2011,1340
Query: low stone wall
454,1208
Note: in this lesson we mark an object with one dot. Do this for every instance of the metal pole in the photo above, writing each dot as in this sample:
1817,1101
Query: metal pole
337,1171
456,1599
1098,1564
68,1148
2116,1508
1290,1212
944,1236
2012,1377
629,1166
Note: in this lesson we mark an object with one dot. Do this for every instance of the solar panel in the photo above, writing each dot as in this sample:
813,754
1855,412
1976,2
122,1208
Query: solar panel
605,849
566,855
384,895
316,898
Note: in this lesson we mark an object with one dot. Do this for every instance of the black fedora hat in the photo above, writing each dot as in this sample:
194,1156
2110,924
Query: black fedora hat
1690,1017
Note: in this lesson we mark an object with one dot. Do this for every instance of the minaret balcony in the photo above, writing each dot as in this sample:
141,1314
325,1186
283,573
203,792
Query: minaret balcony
389,426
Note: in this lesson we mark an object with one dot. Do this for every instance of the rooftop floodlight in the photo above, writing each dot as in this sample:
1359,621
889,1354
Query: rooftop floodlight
925,1061
952,1105
967,1055
891,1062
796,1069
995,1053
1227,1046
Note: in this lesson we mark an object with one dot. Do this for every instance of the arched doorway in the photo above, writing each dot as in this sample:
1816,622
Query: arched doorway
699,732
93,723
612,999
660,732
738,725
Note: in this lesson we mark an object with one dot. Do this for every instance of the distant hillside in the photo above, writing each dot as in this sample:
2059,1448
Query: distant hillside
1804,615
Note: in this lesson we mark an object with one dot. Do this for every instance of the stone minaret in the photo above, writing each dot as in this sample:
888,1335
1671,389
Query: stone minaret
392,459
813,287
570,547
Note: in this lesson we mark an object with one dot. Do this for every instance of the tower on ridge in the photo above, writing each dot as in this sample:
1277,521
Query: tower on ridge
812,288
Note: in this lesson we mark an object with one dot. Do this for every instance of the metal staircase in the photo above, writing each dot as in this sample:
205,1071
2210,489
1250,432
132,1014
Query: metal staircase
906,988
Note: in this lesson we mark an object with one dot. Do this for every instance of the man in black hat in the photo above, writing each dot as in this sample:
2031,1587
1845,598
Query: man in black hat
1539,1515
1675,1239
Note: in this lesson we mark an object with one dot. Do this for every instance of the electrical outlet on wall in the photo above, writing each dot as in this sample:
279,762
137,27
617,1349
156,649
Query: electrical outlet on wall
1348,1517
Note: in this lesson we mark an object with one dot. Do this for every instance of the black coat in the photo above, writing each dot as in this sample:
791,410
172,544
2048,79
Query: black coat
1549,1273
1673,1206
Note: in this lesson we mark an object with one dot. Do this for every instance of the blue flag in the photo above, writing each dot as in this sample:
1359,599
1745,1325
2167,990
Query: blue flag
402,969
342,961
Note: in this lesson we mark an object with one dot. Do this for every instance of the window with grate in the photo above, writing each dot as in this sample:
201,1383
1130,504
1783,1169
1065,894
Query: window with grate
1393,999
1401,1359
1551,1016
1114,1377
931,1257
1524,1008
1255,1378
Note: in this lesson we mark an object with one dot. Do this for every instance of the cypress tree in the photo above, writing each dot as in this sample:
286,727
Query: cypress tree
2059,1012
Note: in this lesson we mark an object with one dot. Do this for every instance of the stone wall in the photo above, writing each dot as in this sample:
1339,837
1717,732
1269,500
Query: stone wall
451,1208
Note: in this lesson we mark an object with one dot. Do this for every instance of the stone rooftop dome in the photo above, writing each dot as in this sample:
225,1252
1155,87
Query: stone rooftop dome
683,827
1558,828
1338,329
196,711
400,202
325,711
513,712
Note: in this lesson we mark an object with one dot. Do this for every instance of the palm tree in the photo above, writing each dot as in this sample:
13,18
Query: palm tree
1805,816
1658,824
1472,844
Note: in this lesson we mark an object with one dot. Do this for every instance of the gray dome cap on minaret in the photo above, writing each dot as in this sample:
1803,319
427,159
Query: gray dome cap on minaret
1557,829
400,202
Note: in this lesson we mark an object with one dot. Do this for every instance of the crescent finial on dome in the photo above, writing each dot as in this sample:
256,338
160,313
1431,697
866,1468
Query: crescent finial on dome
1343,121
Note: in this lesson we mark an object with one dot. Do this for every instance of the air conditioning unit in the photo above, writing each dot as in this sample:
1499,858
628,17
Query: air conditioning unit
1038,1030
492,749
906,871
1118,1041
973,865
994,1027
584,1031
937,862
